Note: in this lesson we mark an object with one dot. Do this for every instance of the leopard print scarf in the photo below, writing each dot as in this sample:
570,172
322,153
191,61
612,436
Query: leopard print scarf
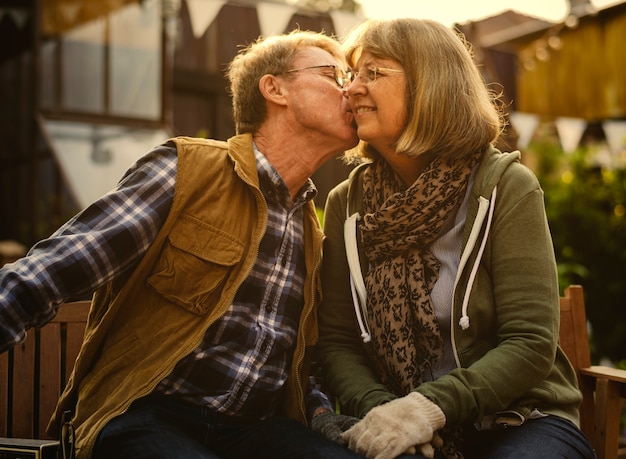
397,229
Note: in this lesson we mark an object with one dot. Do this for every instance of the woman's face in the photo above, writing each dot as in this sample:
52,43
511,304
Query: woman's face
378,101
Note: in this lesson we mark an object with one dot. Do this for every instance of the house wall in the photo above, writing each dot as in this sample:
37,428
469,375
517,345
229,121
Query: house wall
585,78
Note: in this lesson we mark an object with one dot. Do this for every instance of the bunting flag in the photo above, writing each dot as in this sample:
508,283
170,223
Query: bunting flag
274,17
19,16
69,12
344,21
601,157
202,14
570,132
93,157
615,133
525,124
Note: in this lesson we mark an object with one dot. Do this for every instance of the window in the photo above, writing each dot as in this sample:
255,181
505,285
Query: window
102,58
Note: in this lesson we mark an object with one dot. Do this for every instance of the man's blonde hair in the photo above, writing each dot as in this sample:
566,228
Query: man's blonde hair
272,55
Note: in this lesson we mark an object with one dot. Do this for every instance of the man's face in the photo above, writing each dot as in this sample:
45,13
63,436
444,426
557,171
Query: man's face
318,105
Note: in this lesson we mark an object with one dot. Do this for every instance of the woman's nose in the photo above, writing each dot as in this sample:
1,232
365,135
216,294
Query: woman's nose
355,87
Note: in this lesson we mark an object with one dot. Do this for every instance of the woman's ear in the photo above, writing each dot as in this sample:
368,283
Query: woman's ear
273,89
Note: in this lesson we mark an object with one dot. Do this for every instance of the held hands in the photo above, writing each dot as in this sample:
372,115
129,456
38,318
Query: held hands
332,425
407,424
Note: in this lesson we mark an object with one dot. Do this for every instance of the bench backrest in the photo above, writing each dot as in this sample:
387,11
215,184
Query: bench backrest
574,340
34,373
603,388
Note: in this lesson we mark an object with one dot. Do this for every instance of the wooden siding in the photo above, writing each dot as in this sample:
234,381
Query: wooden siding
585,78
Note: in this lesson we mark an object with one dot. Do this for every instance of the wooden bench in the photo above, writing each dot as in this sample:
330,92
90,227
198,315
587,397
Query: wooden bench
34,373
603,388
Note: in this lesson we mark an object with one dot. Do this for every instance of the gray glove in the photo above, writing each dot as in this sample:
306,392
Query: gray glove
406,424
332,425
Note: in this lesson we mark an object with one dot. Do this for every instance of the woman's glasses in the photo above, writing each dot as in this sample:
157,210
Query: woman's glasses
370,75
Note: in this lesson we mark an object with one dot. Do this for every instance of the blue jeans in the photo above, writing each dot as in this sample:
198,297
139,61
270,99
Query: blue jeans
158,427
544,438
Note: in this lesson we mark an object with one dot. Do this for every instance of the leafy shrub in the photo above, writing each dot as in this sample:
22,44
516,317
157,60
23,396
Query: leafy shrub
585,204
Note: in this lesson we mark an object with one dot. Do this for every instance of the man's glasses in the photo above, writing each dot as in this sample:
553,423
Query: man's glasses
342,77
371,74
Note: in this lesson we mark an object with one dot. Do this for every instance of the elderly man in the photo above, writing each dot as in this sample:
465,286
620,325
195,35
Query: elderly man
204,261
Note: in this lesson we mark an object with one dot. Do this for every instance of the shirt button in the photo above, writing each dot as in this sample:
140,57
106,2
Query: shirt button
268,308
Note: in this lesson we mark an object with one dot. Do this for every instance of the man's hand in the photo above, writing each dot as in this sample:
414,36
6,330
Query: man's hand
402,425
332,425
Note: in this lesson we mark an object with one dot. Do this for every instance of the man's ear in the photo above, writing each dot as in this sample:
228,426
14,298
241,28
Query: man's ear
272,89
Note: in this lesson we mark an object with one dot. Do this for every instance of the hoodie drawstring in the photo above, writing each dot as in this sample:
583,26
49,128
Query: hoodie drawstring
357,285
483,206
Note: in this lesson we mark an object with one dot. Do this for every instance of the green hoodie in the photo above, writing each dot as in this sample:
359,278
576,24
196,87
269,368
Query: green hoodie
504,325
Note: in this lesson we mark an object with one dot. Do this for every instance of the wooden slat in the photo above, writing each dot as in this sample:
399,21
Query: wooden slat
50,383
612,374
608,405
23,411
574,341
4,393
579,322
73,312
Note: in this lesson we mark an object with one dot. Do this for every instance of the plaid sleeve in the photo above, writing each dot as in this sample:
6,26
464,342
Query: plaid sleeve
105,240
316,395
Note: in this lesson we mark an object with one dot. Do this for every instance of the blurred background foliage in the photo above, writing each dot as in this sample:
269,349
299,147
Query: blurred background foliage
585,202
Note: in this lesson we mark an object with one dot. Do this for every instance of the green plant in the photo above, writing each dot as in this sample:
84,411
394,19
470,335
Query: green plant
585,205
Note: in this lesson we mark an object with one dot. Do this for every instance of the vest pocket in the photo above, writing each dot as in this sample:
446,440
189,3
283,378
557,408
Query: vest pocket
195,261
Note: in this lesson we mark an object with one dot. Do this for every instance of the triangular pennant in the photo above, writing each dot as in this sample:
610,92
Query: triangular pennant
344,21
202,13
92,169
525,124
570,132
601,157
615,133
274,17
19,17
69,12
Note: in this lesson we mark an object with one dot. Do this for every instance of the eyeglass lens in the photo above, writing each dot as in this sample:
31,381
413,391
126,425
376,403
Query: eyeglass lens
369,75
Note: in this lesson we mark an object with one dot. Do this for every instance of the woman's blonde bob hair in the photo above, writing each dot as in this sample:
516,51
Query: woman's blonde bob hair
450,109
272,55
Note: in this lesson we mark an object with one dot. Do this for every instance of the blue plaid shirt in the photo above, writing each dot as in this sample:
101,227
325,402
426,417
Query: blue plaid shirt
242,362
104,241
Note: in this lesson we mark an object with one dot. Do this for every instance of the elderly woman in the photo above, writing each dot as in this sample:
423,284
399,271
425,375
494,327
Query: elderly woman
439,320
